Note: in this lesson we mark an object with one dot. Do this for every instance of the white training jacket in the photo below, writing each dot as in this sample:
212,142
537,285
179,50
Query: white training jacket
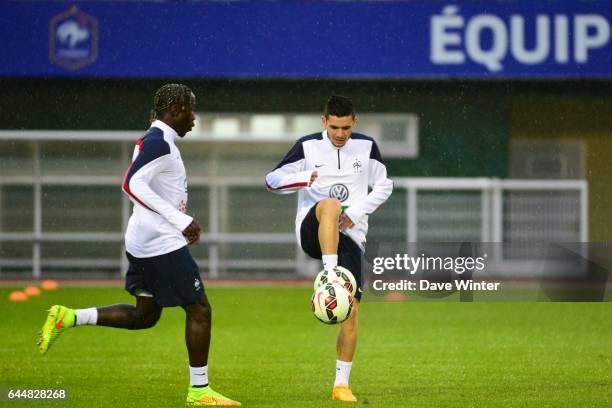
344,173
156,183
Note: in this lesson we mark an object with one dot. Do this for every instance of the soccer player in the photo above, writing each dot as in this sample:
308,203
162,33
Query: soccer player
332,171
162,272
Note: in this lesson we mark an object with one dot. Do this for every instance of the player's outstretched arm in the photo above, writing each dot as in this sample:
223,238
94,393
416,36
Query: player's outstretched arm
289,176
281,182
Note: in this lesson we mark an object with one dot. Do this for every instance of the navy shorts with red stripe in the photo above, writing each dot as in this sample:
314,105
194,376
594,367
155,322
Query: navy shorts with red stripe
173,278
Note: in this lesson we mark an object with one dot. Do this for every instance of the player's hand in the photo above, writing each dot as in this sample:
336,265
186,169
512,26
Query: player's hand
192,232
313,177
344,222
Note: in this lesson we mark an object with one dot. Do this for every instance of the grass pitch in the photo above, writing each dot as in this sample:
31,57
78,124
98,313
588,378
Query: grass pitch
269,351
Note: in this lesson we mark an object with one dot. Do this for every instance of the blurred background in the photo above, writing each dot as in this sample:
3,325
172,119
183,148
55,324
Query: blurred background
494,117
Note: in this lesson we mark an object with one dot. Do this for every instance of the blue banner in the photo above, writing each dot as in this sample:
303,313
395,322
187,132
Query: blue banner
304,39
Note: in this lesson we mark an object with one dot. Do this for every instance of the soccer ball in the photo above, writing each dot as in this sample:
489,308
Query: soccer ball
337,274
331,303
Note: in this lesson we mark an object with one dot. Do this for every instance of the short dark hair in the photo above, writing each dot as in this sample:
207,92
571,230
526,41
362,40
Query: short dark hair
340,106
168,95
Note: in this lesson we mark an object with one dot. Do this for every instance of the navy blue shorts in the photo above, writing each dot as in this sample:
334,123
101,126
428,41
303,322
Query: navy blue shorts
350,256
173,279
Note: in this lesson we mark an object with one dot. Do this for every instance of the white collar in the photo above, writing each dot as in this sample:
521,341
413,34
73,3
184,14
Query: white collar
326,137
165,128
329,141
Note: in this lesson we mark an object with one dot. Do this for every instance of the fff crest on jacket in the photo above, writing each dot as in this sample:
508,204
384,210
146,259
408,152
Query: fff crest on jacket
357,167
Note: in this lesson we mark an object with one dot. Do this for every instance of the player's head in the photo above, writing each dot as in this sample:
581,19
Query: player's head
339,119
173,104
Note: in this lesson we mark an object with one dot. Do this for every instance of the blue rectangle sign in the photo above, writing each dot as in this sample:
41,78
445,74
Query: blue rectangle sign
310,40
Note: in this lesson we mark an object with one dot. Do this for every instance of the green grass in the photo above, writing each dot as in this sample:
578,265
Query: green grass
269,351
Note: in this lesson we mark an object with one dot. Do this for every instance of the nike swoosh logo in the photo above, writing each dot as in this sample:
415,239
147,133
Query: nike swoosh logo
319,300
58,325
319,165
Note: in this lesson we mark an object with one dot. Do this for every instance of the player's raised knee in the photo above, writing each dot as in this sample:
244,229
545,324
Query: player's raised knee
151,319
148,322
332,203
329,206
145,320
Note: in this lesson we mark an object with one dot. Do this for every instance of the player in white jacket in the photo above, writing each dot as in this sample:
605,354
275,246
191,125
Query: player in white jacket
332,172
162,272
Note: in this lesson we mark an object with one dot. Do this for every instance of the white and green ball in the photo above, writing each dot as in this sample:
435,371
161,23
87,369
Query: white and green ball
331,303
337,274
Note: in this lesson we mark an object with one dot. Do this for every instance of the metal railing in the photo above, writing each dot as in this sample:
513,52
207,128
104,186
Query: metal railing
421,209
491,220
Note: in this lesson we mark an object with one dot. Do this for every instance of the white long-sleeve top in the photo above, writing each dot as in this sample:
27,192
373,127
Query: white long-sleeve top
156,183
345,173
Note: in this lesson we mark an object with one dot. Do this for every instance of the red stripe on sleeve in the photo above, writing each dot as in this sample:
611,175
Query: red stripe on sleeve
126,188
269,187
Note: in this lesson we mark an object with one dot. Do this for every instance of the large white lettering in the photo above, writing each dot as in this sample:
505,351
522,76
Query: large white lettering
441,27
561,39
455,39
492,57
517,43
583,41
